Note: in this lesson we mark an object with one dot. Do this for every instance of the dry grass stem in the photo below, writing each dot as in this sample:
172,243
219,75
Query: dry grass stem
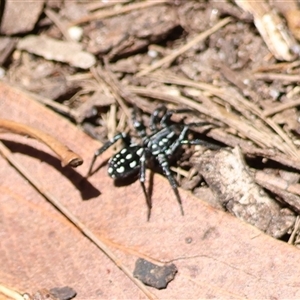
181,171
242,105
113,12
95,5
104,76
122,123
56,106
168,59
278,182
11,294
245,127
281,107
276,76
61,25
111,124
295,231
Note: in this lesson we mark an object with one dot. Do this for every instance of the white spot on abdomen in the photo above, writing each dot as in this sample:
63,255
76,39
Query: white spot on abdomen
121,170
140,152
128,156
132,164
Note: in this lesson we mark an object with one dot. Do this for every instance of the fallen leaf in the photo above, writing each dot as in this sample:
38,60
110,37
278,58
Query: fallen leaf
216,254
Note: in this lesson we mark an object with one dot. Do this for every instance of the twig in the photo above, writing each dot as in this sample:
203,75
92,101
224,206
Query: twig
66,156
105,75
10,293
251,150
295,230
277,76
112,12
271,28
58,107
111,124
56,19
279,183
100,5
196,40
240,104
280,107
211,109
121,92
6,153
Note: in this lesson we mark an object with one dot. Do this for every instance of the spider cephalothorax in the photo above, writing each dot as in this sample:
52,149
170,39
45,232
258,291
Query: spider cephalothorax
161,144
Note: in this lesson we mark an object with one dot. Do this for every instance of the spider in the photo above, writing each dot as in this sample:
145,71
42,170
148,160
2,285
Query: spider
161,145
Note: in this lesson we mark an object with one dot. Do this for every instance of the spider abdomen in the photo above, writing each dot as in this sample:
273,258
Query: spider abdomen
125,162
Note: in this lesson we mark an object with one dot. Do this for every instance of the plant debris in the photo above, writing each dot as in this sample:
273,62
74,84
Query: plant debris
153,275
226,174
66,52
67,156
57,293
205,56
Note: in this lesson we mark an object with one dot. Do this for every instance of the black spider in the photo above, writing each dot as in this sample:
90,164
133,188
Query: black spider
160,145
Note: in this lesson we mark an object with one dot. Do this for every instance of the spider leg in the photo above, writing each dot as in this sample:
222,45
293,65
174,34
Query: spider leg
138,124
178,142
182,141
155,116
162,159
200,142
166,118
98,152
142,181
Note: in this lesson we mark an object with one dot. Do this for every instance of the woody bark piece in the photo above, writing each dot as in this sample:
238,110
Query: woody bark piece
20,16
226,174
290,10
272,29
51,49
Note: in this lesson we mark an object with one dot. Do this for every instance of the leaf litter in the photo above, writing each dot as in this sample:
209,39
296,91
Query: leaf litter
194,56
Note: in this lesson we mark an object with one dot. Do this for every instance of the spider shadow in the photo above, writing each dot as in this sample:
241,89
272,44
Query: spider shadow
81,183
100,166
133,178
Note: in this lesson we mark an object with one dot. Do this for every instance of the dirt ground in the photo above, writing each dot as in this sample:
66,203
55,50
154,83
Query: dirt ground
234,66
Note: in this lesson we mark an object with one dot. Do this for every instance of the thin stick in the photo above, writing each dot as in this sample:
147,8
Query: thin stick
276,76
112,12
10,293
242,106
281,107
56,19
196,40
66,156
6,153
296,228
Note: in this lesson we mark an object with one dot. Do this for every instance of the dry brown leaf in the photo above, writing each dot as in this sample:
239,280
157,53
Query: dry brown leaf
216,255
